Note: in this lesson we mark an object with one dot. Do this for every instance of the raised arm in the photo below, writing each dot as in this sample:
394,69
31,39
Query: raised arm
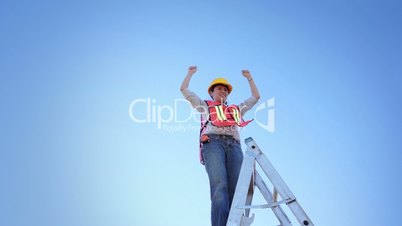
191,70
253,87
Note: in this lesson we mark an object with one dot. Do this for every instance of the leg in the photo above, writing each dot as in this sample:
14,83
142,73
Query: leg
214,158
234,161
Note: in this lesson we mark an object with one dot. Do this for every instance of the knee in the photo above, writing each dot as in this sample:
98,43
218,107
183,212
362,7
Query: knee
219,192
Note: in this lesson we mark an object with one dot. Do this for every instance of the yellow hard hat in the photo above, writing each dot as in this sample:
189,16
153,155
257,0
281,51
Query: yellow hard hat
220,81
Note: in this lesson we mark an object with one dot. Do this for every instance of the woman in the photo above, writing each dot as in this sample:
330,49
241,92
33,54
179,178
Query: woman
219,139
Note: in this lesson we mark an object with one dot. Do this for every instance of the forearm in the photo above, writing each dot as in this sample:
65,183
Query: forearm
186,81
253,88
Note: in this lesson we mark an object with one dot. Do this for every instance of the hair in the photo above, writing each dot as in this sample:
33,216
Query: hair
213,87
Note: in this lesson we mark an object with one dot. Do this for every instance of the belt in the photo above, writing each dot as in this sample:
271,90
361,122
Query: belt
223,136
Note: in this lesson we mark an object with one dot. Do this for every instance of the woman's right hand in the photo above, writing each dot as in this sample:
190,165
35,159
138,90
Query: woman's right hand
186,81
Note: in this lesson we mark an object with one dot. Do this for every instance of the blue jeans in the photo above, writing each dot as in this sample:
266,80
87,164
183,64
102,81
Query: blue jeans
223,158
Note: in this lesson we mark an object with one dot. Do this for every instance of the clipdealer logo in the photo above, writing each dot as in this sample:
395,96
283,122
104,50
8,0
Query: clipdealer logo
147,110
267,106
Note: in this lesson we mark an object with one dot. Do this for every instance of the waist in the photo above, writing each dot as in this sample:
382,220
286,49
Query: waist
228,131
222,136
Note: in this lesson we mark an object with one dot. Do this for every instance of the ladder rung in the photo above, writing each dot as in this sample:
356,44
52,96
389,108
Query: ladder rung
265,206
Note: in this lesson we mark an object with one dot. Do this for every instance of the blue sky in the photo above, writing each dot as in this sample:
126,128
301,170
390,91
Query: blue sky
70,154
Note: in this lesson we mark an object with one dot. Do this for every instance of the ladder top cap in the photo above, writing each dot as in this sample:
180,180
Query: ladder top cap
248,140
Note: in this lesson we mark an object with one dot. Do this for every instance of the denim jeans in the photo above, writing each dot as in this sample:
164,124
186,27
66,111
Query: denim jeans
223,158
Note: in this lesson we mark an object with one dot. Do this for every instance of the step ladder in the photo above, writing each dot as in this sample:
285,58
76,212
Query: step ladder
239,214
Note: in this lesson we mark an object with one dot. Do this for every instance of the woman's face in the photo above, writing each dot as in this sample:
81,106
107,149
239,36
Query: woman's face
219,93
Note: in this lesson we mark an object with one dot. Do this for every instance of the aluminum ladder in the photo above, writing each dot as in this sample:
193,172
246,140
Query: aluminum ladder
239,214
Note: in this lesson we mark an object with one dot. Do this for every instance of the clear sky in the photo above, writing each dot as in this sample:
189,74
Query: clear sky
72,155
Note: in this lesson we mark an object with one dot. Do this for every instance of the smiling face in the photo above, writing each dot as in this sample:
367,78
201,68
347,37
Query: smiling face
219,93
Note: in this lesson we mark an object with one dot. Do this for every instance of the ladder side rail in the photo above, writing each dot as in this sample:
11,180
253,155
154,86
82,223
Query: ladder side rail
250,193
266,193
270,171
299,213
279,183
283,190
240,195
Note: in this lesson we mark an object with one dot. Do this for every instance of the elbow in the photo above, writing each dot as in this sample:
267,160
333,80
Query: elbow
257,97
